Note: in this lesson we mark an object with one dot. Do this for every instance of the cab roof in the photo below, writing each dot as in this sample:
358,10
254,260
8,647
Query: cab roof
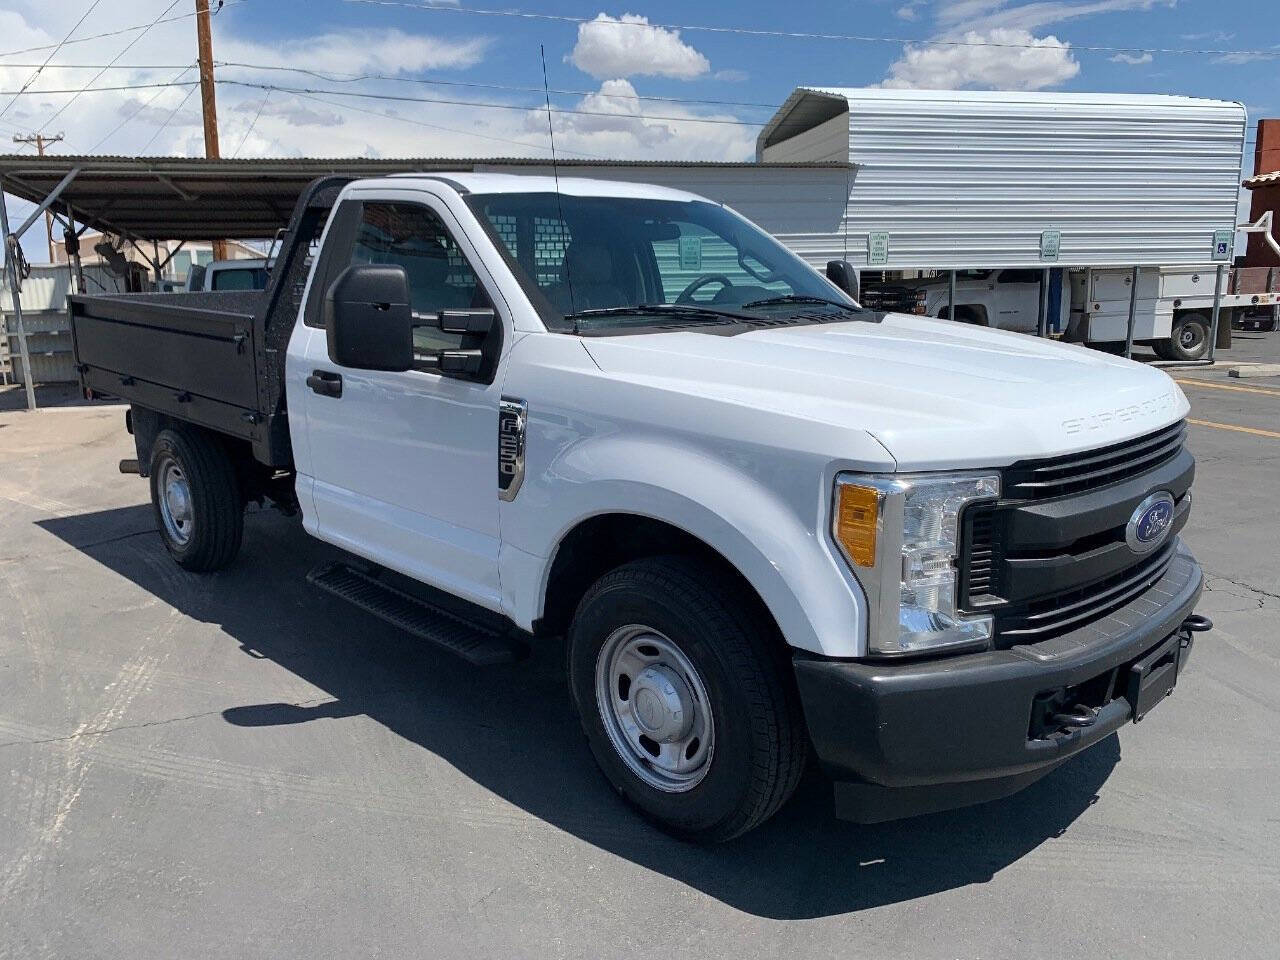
487,183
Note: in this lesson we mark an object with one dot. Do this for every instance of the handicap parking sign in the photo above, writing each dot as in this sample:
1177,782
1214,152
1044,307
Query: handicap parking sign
1222,244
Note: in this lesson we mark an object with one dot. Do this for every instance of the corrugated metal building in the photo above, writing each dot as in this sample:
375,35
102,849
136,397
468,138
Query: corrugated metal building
972,179
44,317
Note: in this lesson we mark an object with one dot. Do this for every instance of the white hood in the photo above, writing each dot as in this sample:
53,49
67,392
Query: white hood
935,394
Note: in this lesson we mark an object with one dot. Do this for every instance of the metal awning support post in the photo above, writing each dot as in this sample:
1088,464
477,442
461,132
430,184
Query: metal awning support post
11,242
76,265
1217,309
951,296
48,201
1042,321
1133,314
1275,307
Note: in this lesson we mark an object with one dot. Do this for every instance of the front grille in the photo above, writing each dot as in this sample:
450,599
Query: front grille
979,576
1051,616
1091,469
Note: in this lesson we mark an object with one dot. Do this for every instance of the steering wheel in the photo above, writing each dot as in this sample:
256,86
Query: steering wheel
686,295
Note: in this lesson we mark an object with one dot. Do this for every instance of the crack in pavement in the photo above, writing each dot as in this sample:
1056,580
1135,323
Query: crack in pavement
139,726
1242,585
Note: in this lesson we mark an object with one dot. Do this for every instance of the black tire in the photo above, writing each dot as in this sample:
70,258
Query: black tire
1188,340
214,524
760,745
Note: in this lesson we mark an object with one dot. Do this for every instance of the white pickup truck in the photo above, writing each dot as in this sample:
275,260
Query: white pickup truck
1172,314
768,523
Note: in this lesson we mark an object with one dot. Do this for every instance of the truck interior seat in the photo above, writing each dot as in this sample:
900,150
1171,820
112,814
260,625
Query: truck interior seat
588,275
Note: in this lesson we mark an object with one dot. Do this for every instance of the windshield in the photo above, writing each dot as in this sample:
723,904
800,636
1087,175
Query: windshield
610,263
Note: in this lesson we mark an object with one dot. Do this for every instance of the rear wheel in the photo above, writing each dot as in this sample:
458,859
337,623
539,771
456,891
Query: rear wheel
196,498
684,698
1188,340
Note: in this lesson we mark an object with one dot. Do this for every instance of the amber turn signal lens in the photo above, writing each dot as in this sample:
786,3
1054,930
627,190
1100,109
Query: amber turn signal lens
857,512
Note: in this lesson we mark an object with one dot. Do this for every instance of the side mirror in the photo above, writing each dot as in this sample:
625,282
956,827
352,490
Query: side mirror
843,274
478,321
368,319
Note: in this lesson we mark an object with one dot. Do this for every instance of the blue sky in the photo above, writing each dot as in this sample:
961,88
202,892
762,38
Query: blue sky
606,68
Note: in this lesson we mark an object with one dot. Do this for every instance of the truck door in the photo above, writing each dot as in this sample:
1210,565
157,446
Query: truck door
1017,300
401,467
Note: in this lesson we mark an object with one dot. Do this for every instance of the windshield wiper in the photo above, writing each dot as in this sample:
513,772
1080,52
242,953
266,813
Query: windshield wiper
799,298
676,311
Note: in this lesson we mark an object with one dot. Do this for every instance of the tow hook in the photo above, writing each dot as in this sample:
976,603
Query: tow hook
1076,716
1197,624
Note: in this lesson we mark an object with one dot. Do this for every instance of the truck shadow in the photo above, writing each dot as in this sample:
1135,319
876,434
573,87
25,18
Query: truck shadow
511,730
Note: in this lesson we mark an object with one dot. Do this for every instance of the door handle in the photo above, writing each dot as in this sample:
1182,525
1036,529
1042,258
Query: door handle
326,383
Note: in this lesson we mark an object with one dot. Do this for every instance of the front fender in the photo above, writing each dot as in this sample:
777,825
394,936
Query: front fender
776,540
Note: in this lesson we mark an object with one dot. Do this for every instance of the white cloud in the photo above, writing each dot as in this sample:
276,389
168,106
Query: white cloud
1132,59
1245,56
320,125
627,46
983,15
389,51
908,11
1025,62
613,122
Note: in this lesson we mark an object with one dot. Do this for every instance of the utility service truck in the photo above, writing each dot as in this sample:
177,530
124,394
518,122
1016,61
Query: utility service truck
767,523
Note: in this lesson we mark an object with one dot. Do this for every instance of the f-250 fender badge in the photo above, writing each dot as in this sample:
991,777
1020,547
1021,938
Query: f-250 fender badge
512,417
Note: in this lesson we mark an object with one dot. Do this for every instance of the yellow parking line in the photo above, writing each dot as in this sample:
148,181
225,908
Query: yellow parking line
1224,386
1232,426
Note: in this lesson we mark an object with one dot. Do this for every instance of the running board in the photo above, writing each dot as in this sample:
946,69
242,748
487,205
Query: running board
480,645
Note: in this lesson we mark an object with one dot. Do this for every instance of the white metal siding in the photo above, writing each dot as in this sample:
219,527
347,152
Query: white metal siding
971,179
828,141
44,318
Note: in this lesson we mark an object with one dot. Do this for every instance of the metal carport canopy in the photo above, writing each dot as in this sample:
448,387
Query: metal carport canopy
188,198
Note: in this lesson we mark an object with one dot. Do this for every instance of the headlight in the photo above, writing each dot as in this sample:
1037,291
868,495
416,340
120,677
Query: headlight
901,536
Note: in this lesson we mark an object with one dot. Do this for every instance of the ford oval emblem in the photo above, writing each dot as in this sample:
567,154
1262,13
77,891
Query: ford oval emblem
1150,523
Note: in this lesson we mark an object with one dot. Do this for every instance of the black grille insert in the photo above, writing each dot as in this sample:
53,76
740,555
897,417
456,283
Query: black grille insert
1091,469
1059,613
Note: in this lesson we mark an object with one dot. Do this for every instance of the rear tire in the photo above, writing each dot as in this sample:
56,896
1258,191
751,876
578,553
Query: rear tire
710,680
1188,340
196,497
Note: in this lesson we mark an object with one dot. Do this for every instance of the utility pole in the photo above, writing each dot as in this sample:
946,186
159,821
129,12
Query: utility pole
39,139
208,99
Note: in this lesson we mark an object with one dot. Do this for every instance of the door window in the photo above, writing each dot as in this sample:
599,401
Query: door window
440,278
1019,276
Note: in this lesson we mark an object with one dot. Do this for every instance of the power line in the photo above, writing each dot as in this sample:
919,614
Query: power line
726,121
330,77
435,126
798,34
58,46
357,77
253,123
57,113
182,103
142,106
495,106
78,90
115,33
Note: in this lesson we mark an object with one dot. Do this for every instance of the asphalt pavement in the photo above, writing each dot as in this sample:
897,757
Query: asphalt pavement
236,765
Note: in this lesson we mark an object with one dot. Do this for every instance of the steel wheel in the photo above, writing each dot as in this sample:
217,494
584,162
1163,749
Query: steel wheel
655,708
175,502
1190,337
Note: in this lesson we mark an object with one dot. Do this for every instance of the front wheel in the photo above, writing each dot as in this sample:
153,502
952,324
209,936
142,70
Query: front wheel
684,698
196,498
